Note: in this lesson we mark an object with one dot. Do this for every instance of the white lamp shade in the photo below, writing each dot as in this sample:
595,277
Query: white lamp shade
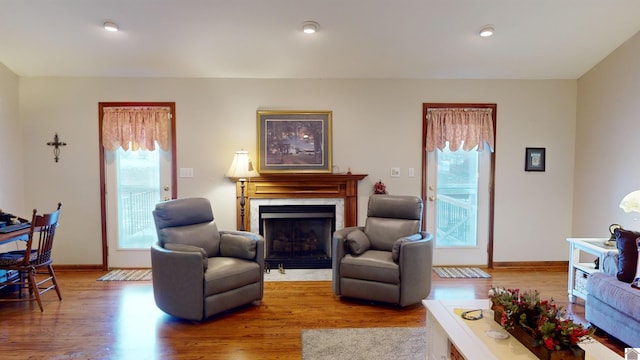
241,167
631,202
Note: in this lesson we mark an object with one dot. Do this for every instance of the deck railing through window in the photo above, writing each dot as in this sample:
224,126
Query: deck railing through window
136,211
455,223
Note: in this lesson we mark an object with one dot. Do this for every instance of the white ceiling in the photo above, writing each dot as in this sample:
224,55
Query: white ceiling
414,39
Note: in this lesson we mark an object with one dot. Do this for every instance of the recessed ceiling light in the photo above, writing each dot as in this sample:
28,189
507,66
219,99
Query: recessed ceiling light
110,26
486,31
310,27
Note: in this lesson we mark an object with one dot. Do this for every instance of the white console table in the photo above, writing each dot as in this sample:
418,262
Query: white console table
579,271
446,329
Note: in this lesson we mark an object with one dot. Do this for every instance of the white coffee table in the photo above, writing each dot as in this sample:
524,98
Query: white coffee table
446,328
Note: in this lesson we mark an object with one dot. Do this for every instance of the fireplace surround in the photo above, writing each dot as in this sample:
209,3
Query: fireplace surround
339,191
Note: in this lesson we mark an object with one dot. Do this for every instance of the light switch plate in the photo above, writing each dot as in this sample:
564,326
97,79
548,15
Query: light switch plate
395,172
186,172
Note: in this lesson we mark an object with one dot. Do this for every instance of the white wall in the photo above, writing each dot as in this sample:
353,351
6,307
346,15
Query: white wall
607,164
11,170
376,125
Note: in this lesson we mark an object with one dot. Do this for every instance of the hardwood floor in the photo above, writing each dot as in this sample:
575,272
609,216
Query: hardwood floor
119,320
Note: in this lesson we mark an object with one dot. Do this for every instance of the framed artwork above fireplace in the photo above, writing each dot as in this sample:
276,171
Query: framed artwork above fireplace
294,141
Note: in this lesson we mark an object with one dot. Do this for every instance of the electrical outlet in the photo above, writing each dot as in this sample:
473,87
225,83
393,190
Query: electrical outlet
395,172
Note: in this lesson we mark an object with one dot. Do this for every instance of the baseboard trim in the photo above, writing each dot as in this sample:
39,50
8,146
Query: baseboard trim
82,267
532,265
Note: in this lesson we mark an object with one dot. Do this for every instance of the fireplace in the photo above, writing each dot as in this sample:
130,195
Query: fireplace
340,191
298,236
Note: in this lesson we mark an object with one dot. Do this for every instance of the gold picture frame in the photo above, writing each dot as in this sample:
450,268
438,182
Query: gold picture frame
294,141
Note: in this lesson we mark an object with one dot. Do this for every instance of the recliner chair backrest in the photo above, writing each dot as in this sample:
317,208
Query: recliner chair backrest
188,222
390,217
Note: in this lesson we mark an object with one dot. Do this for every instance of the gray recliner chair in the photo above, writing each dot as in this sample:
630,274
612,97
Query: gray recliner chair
389,259
199,271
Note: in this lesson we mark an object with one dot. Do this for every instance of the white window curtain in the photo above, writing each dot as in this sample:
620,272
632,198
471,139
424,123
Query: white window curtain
469,127
135,127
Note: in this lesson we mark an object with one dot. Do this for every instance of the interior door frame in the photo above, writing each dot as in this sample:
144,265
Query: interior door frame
423,190
103,184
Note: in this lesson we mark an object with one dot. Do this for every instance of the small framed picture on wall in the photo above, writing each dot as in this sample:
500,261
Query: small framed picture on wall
535,159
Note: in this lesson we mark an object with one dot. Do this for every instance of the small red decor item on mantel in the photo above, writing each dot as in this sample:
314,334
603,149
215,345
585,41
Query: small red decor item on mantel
379,188
539,325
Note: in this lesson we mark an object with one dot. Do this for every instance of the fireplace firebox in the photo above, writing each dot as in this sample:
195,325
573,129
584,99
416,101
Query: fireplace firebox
298,236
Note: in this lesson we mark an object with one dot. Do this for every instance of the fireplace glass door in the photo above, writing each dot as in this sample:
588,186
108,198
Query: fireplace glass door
298,236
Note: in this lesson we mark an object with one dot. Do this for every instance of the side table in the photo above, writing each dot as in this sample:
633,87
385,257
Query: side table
579,271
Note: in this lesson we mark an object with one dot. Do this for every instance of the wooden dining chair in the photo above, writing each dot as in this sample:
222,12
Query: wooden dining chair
32,268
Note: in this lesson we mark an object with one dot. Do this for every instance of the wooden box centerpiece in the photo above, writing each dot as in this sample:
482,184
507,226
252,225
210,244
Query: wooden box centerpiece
539,325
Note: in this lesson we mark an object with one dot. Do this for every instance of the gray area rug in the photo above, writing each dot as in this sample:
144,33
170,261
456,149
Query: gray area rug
460,272
365,344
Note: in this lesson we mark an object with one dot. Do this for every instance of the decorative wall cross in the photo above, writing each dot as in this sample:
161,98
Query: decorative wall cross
57,144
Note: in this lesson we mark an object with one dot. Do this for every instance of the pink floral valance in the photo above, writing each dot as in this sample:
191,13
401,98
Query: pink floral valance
137,128
469,127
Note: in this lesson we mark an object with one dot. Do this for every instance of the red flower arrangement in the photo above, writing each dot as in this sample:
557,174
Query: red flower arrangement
547,323
379,188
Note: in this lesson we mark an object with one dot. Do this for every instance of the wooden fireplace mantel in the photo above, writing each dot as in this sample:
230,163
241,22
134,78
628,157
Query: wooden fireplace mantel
297,186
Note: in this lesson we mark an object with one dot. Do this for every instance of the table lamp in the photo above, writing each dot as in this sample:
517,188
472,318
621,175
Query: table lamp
631,202
242,169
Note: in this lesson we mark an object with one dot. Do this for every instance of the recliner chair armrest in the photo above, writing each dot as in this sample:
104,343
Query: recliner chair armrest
258,239
412,250
342,233
338,252
338,242
177,278
395,251
189,248
416,255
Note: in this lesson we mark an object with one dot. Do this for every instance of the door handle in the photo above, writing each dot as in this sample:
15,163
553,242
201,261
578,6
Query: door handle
432,198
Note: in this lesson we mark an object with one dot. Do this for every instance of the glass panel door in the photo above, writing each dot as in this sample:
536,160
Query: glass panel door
136,181
458,205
